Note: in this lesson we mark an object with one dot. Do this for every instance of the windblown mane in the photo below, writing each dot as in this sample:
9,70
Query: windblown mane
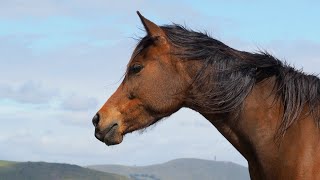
228,76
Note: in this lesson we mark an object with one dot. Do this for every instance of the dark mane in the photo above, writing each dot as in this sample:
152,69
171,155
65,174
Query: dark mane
228,76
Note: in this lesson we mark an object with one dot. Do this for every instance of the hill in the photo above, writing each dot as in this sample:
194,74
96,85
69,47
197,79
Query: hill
180,169
6,163
51,171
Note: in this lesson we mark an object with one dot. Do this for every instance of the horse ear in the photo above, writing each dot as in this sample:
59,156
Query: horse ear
152,29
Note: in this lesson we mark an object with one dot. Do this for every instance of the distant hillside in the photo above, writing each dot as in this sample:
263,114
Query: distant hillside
51,171
6,163
181,169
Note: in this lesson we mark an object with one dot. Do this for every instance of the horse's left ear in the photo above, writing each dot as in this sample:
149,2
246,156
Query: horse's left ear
152,29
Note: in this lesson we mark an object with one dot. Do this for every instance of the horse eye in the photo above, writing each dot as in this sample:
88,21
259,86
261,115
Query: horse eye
135,68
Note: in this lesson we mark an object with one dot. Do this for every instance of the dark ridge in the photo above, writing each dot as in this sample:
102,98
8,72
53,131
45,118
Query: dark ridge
51,171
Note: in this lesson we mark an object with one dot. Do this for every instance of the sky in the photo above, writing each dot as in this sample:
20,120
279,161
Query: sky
62,59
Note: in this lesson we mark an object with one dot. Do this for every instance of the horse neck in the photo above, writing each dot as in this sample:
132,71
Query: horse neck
253,134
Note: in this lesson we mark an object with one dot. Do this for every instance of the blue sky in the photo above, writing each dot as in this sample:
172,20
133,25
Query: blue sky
61,60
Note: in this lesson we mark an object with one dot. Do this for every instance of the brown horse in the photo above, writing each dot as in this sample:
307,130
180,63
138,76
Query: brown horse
266,109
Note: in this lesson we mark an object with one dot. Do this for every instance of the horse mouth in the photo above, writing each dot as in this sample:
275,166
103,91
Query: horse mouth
110,136
113,137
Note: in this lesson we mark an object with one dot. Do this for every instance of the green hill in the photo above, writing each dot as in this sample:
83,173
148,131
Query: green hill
51,171
181,169
6,163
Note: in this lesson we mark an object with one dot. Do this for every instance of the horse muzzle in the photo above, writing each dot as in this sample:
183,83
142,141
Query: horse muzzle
110,135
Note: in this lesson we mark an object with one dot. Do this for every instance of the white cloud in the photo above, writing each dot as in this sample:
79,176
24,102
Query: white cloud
28,92
76,118
78,103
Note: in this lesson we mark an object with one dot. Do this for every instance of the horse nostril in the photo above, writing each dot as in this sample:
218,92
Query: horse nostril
95,120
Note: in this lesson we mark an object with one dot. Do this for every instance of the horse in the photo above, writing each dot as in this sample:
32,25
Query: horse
266,109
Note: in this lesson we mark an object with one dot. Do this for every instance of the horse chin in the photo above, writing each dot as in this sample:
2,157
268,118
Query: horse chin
113,138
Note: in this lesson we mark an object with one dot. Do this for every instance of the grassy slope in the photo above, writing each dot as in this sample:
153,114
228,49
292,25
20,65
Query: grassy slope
6,163
51,171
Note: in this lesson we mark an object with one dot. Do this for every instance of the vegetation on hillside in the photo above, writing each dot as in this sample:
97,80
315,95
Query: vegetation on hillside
51,171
